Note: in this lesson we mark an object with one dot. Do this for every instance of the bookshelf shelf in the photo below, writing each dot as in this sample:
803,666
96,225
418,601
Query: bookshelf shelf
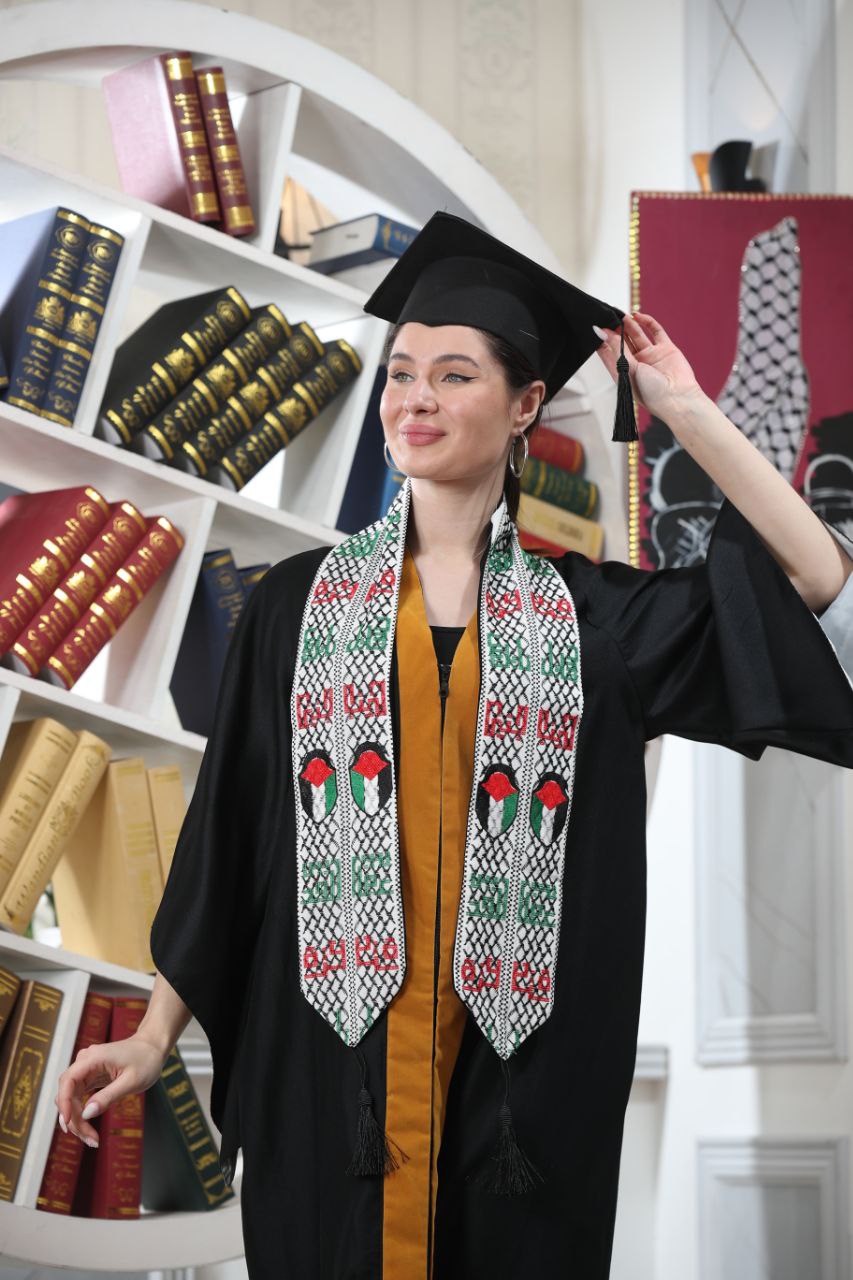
300,111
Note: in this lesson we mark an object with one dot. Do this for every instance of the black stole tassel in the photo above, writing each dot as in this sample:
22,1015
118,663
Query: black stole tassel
624,424
372,1153
513,1173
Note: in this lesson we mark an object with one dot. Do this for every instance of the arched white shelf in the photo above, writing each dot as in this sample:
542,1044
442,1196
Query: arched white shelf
360,146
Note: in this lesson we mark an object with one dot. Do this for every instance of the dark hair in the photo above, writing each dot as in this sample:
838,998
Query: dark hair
518,373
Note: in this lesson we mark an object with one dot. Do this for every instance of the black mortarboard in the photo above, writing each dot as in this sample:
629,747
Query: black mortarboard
455,273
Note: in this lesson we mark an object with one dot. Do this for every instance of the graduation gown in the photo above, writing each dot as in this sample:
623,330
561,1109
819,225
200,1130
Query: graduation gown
725,651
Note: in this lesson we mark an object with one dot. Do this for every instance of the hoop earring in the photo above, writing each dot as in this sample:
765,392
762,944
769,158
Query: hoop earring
517,473
392,466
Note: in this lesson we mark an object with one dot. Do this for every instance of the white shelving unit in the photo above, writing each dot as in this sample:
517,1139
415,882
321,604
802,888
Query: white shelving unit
302,111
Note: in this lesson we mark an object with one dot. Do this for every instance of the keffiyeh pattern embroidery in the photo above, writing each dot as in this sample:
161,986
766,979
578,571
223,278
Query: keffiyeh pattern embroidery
352,953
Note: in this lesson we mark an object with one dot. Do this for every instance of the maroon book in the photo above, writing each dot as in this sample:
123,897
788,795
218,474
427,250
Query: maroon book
237,216
117,1174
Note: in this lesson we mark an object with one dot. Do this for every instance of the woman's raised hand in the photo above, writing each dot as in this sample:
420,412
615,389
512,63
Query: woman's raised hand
660,373
107,1072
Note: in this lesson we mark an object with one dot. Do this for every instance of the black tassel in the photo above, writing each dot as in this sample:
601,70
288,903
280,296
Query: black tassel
624,424
513,1173
372,1153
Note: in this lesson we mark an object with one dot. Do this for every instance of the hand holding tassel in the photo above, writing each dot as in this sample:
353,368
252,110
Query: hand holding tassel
660,375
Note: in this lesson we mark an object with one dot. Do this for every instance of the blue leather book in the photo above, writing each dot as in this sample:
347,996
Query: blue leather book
363,496
251,576
360,240
40,257
84,314
217,601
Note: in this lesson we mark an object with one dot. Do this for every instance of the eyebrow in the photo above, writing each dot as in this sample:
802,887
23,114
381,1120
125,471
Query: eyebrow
452,356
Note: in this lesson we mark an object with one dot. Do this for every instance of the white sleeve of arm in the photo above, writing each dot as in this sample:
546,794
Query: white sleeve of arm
837,618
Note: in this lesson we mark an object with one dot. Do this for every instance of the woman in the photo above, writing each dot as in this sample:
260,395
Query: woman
406,820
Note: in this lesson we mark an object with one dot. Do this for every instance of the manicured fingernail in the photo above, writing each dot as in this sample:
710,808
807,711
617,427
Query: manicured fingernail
90,1109
91,1142
63,1126
601,332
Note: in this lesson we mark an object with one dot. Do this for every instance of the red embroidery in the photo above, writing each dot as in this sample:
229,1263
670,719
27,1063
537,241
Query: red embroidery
379,954
508,602
320,961
310,713
326,590
560,734
384,585
536,987
549,609
498,724
365,702
481,975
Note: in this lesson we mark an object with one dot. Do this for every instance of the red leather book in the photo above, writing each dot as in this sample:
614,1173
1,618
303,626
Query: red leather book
561,451
158,135
63,1159
115,602
69,601
117,1178
41,536
235,203
532,542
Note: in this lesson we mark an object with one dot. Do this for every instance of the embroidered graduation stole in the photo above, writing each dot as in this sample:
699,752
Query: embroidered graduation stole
352,954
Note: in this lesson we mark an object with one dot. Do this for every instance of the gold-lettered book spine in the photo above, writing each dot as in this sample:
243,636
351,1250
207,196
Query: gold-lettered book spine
238,218
25,1048
34,759
566,529
169,808
192,139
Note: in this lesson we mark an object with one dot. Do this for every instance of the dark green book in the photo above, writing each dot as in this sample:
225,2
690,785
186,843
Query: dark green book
180,1160
562,488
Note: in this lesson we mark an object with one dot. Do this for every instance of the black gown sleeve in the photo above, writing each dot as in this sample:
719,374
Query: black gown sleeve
202,938
727,651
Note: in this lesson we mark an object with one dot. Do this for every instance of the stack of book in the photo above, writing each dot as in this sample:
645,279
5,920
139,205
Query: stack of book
216,388
175,141
557,503
73,567
218,600
56,273
102,832
361,251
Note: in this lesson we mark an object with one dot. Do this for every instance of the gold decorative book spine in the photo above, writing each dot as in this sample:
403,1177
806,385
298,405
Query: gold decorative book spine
217,381
552,484
72,597
237,216
242,411
116,601
31,372
169,808
83,318
26,1045
68,537
36,755
10,985
179,1097
108,885
137,404
57,824
192,139
320,384
565,528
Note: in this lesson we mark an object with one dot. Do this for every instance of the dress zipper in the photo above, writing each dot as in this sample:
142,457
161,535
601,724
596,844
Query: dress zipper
443,687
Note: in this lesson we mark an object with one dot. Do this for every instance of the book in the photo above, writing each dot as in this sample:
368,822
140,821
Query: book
361,503
62,1169
115,602
560,450
34,758
168,808
40,255
73,595
251,575
10,985
158,135
164,354
358,240
234,200
41,536
266,332
533,542
216,605
552,484
205,448
297,410
562,528
23,1056
180,1160
117,1178
57,824
107,885
84,313
4,372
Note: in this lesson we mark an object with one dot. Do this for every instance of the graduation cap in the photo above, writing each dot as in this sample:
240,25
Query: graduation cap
453,272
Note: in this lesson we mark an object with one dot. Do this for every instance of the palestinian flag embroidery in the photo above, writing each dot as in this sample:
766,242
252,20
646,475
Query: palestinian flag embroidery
352,955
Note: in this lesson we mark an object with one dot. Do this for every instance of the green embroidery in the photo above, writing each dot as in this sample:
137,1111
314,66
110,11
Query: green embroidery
371,874
488,896
370,635
322,879
560,664
318,644
536,564
507,656
367,1017
359,544
500,560
536,902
